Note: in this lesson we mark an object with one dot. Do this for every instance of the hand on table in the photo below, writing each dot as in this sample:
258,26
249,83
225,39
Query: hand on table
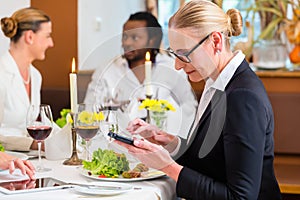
11,163
152,155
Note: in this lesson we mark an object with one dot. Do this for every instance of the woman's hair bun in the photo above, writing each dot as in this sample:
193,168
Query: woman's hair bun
9,26
236,21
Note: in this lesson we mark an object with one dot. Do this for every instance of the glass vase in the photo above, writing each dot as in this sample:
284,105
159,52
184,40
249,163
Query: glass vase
269,54
159,119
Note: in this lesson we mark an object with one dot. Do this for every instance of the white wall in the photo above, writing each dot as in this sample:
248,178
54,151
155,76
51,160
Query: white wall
99,42
7,8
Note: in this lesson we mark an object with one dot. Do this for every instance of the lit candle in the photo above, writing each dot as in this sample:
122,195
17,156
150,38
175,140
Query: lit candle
73,88
148,66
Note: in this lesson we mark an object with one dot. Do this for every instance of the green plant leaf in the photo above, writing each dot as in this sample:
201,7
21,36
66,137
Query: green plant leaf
266,33
266,9
2,148
61,122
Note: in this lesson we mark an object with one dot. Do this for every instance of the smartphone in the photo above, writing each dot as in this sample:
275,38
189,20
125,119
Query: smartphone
120,138
27,185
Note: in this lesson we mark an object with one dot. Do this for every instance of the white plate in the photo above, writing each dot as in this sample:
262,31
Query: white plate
270,67
103,190
267,66
17,154
151,174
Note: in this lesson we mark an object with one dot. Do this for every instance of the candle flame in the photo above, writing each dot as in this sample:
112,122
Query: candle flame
73,65
147,56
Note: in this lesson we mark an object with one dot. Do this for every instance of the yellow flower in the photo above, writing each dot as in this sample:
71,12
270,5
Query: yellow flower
170,106
98,116
85,117
89,117
156,105
147,103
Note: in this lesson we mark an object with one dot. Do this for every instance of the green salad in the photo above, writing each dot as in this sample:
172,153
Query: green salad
107,163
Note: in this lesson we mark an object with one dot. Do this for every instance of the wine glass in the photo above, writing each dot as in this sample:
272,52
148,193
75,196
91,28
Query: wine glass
86,124
39,124
110,122
101,92
111,99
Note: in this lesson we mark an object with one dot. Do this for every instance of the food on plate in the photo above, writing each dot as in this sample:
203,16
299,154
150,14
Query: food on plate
131,174
107,163
140,168
136,171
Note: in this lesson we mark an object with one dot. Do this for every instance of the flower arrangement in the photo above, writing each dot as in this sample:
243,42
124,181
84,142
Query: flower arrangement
275,20
158,109
84,117
156,105
273,17
87,117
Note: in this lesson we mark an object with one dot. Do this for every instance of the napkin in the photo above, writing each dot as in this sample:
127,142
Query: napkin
58,145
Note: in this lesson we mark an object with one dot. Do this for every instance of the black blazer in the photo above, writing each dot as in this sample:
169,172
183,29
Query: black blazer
231,154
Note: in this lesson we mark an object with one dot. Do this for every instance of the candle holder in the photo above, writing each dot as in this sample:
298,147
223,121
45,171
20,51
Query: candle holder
148,112
73,160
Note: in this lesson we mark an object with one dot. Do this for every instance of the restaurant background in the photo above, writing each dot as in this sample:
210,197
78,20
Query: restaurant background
98,22
80,26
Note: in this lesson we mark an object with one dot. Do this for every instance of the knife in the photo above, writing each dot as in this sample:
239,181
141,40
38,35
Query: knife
99,187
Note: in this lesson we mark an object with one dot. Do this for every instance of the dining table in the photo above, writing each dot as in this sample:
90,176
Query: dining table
161,188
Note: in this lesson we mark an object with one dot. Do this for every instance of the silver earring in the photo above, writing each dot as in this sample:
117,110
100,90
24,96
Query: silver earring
218,51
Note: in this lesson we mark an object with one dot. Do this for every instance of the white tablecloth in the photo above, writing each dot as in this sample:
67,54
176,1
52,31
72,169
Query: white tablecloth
162,188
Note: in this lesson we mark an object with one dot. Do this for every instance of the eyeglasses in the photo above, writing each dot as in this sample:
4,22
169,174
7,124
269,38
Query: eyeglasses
184,56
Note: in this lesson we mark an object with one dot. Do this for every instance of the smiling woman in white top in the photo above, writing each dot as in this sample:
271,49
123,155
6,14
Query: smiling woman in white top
29,31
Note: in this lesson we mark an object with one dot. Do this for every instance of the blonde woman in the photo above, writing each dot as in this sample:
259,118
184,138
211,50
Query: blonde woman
229,152
29,31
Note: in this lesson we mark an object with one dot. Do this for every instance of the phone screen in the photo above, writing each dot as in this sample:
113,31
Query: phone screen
40,184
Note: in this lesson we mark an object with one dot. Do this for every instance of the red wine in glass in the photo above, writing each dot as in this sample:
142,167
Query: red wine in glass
39,126
86,124
39,132
87,132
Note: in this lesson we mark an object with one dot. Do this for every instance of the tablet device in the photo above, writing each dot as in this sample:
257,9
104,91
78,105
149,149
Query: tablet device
24,186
